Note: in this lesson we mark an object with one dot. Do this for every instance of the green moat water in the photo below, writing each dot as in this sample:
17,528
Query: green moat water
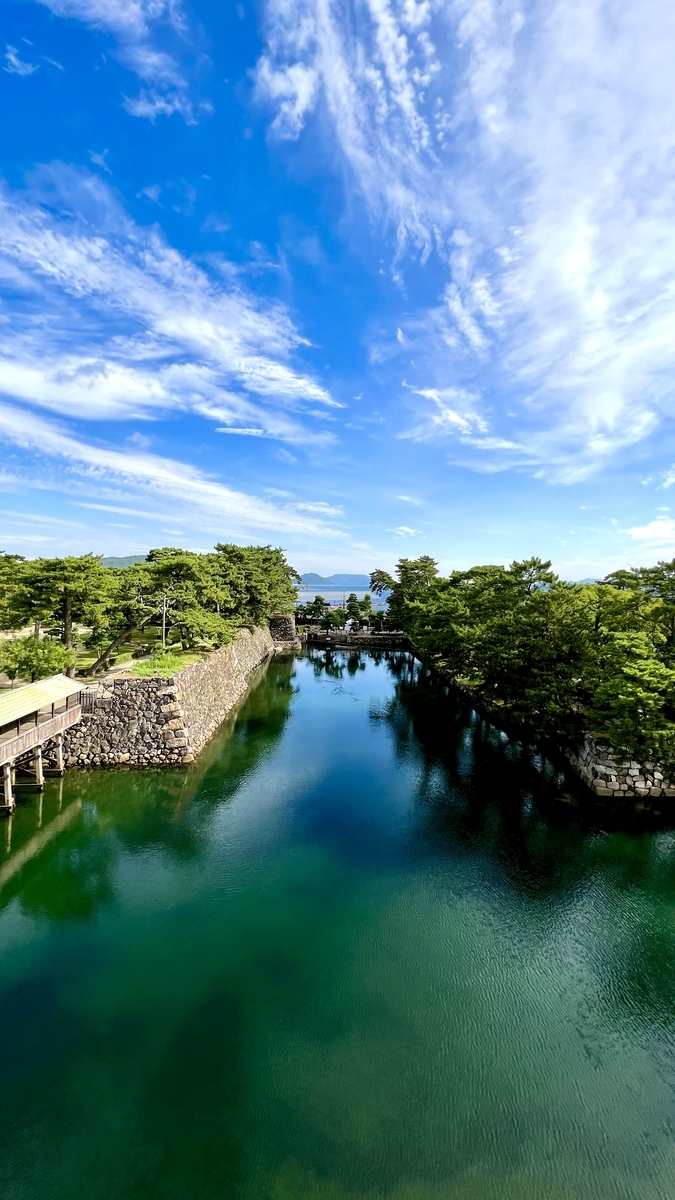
359,950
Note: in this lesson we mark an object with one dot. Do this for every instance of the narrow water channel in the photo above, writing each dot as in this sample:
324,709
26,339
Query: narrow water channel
362,949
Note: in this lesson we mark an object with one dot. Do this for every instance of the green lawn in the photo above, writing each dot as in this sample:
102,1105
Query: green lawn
164,664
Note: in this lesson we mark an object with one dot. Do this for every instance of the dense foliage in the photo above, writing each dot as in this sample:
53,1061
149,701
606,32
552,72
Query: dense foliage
559,657
33,657
197,600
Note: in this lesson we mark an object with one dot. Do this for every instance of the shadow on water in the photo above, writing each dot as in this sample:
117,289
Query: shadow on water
479,792
60,848
465,996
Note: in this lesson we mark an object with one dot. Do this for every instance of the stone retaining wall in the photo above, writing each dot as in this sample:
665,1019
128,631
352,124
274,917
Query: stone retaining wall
153,721
283,631
598,768
596,764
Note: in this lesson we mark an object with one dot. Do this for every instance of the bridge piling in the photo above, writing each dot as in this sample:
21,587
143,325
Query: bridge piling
8,792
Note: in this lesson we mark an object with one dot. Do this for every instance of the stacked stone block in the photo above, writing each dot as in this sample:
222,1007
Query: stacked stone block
163,722
598,767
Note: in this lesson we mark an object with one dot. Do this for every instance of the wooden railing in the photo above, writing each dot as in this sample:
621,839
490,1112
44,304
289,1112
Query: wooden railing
15,746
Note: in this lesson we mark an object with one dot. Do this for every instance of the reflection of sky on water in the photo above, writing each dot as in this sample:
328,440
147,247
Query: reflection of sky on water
359,949
338,596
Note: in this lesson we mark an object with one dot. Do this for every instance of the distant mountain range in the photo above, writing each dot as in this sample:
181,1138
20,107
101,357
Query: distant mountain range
123,562
333,582
339,582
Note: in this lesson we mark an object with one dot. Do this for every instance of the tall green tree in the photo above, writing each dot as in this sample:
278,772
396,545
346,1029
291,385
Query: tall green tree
11,566
353,608
131,602
558,658
57,592
413,577
257,580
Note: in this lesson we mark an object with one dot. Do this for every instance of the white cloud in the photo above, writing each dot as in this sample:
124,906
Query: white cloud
181,490
318,506
135,26
293,89
108,321
405,531
454,412
14,65
659,533
241,430
531,149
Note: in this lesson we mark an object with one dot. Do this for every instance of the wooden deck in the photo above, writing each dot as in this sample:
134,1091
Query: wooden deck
30,717
14,747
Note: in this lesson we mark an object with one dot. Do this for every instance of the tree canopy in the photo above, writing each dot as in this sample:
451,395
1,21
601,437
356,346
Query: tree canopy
557,657
197,599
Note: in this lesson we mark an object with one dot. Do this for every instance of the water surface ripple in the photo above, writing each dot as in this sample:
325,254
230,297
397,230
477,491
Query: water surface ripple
365,947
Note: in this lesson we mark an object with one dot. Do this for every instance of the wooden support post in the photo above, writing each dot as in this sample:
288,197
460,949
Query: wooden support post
7,782
37,766
59,751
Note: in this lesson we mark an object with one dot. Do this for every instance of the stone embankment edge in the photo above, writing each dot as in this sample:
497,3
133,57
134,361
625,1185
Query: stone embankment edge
594,763
154,721
597,765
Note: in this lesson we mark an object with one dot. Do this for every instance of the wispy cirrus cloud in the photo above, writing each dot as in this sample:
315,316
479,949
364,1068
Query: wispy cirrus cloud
106,320
529,147
174,488
15,65
141,30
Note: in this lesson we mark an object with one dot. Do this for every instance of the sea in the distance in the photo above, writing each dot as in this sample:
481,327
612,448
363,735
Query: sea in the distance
363,948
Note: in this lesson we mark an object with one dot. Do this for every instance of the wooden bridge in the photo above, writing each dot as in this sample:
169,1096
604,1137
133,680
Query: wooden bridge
29,717
339,639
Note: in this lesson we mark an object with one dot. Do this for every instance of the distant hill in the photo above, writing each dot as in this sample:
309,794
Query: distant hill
123,562
337,581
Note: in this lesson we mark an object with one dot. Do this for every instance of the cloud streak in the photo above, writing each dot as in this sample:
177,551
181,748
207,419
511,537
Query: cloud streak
181,490
106,320
137,26
529,149
16,66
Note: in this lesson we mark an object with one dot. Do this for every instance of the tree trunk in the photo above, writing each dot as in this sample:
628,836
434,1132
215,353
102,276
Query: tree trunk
109,650
116,641
67,623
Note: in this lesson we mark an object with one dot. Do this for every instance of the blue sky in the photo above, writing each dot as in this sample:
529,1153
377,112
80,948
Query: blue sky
360,280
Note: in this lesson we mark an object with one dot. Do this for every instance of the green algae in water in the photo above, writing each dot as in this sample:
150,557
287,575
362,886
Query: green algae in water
358,950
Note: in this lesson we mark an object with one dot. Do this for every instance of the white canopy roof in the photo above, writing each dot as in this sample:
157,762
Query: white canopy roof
22,701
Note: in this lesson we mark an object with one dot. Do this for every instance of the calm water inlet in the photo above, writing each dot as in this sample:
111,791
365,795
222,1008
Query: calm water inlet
361,949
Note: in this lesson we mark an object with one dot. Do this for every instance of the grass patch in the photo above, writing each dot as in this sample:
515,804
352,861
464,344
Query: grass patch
165,664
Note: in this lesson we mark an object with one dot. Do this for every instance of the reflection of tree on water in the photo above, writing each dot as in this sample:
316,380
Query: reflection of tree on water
480,793
333,665
72,875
